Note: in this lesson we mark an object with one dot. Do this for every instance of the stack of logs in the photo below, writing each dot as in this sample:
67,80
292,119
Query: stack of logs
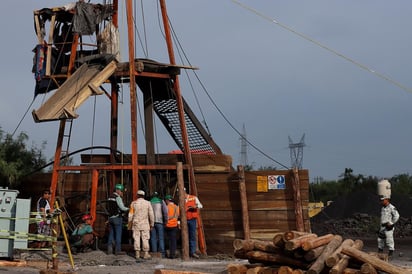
307,253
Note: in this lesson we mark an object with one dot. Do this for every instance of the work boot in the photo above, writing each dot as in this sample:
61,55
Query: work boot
380,250
137,254
194,255
390,253
146,255
109,250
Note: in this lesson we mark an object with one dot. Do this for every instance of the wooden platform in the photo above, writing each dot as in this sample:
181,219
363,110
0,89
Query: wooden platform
74,92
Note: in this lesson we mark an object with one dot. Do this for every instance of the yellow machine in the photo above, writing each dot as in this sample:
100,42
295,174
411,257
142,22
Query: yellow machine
315,208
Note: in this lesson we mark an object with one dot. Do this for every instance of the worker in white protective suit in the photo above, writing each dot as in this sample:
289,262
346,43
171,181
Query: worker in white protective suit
389,217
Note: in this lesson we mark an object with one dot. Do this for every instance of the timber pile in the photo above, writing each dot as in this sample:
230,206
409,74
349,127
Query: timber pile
300,252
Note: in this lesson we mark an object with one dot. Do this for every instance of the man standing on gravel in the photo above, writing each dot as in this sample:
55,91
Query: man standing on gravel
115,207
172,225
389,216
43,210
141,220
192,206
157,239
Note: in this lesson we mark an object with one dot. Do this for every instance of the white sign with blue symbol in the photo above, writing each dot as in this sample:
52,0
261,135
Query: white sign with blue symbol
276,182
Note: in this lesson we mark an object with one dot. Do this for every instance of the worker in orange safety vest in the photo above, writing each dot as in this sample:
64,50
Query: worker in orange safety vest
192,206
172,225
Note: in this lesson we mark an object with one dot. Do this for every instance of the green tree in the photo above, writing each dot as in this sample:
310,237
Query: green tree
401,183
330,190
268,168
17,159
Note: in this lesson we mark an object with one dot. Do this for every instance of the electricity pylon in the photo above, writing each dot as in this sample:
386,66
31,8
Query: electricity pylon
243,148
296,152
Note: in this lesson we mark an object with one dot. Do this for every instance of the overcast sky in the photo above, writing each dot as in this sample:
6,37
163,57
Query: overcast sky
259,73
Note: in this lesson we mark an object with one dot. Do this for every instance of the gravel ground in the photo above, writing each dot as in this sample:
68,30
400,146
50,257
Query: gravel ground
97,262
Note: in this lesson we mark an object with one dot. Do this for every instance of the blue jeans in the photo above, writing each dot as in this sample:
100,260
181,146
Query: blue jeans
157,239
115,234
171,233
191,227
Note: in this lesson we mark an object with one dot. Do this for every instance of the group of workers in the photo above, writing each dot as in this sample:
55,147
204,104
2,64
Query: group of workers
151,223
151,220
81,239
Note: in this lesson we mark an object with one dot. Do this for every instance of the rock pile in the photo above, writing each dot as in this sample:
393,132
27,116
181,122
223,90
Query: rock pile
357,215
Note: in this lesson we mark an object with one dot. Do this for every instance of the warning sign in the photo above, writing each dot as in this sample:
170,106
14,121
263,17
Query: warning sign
262,184
276,182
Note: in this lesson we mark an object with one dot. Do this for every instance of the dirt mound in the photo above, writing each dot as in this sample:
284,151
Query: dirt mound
357,215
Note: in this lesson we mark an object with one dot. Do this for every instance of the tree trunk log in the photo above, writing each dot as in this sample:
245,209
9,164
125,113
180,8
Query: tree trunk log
298,253
319,264
343,262
171,271
260,270
319,241
239,244
350,271
335,256
285,270
266,246
297,242
367,268
289,235
375,262
278,240
240,254
243,202
264,257
297,201
237,268
313,254
248,245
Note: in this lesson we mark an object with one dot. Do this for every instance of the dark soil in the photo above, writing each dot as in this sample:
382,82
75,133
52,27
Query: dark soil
357,215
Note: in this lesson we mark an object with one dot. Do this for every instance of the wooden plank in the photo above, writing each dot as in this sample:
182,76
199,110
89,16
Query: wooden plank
49,45
255,216
38,29
97,81
210,203
51,109
73,93
13,263
95,90
200,163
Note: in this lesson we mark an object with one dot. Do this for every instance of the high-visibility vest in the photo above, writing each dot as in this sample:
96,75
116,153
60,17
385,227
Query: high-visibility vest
173,215
191,207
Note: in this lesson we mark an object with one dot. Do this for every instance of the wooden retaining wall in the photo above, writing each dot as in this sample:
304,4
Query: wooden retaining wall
269,210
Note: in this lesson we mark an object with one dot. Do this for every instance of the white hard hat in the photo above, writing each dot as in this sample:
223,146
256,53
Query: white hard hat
140,192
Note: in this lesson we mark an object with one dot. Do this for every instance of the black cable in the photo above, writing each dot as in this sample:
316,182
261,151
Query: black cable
21,120
220,112
72,153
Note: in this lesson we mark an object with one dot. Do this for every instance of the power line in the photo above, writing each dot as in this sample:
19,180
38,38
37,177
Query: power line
307,38
220,111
